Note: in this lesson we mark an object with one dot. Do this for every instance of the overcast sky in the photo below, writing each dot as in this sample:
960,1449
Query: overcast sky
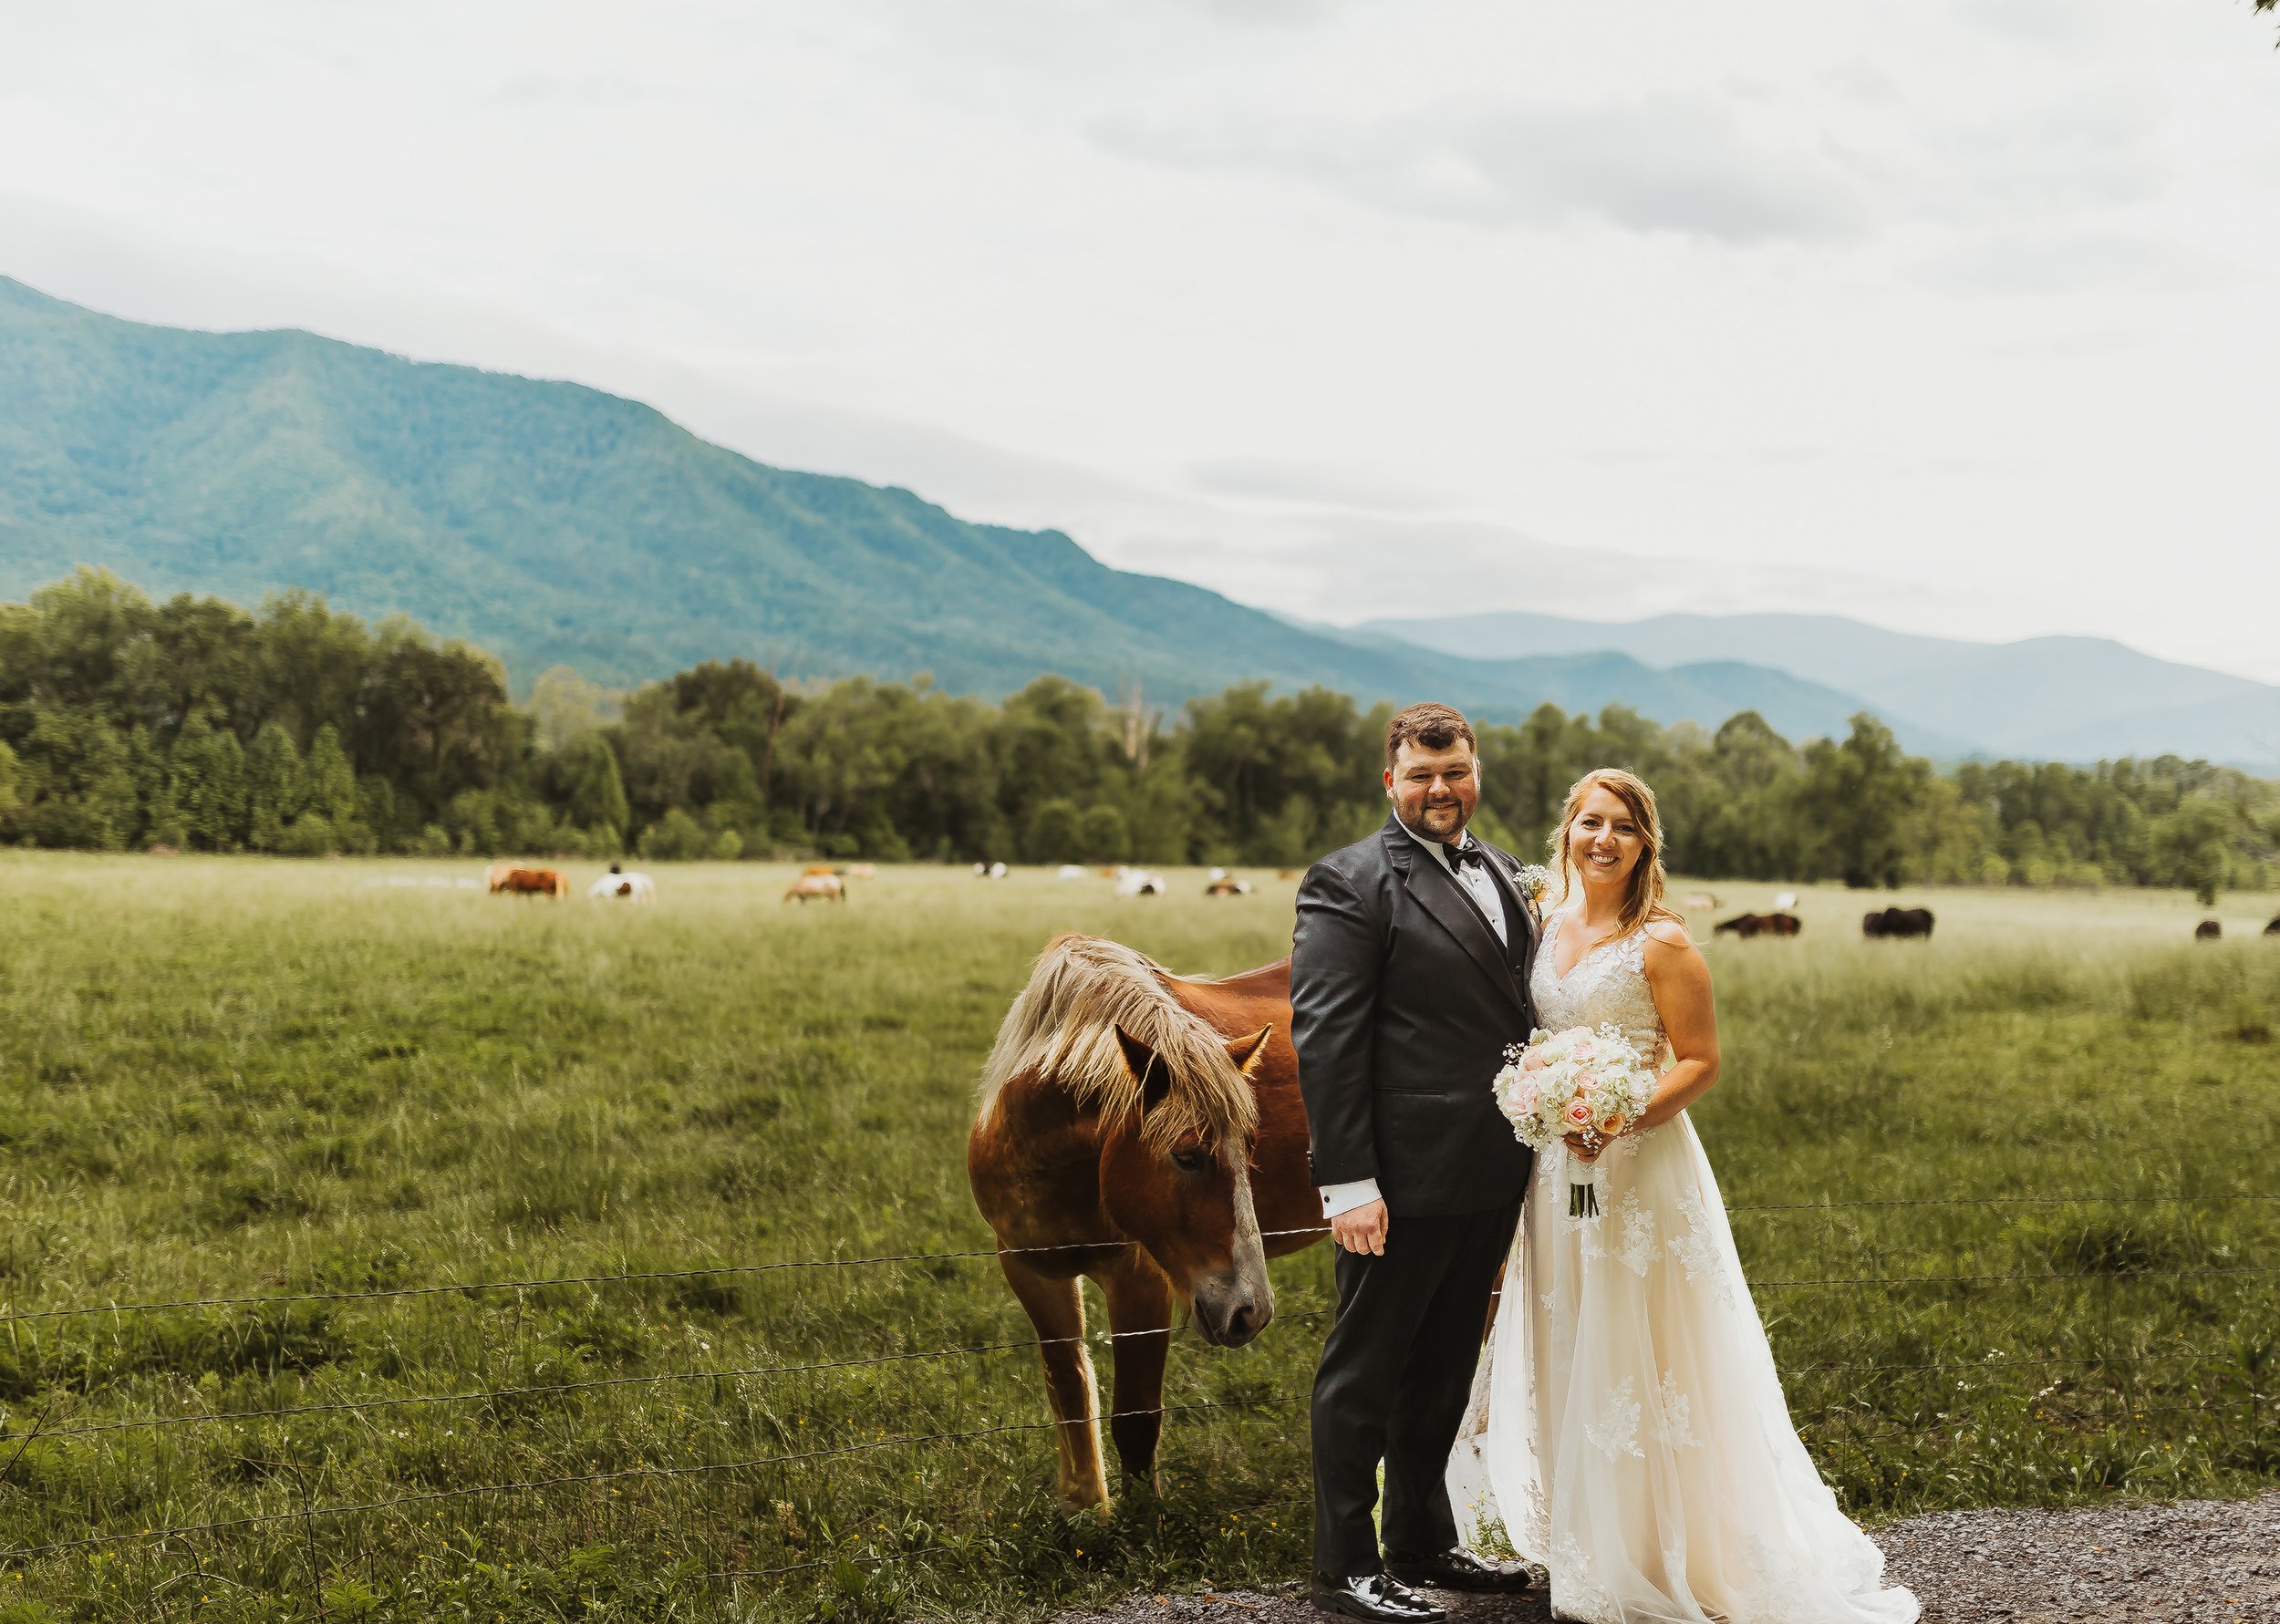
1958,316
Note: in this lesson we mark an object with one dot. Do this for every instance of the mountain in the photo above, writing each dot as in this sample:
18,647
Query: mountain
2064,698
552,523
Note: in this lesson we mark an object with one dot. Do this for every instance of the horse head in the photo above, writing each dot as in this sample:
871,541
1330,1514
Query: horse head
1178,1185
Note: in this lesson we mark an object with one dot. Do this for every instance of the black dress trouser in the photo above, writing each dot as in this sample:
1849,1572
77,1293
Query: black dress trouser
1396,1375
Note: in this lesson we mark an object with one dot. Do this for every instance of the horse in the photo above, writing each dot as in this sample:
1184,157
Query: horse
2208,930
826,884
506,878
1759,925
1897,923
1144,1131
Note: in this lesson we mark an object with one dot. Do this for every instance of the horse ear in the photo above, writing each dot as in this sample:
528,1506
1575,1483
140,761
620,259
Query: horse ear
1148,1069
1247,1052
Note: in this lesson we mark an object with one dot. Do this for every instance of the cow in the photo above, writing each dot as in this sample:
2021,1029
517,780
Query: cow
507,879
990,871
1761,925
617,882
1897,923
1701,902
2273,928
828,886
1228,886
2208,930
1139,882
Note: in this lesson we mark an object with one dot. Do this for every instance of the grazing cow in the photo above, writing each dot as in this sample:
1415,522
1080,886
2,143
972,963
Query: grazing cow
1228,886
1761,925
505,878
990,871
861,870
826,885
1785,899
1139,882
2208,930
1701,900
2273,928
616,883
1897,923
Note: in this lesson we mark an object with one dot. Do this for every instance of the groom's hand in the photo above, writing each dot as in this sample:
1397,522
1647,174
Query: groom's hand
1361,1228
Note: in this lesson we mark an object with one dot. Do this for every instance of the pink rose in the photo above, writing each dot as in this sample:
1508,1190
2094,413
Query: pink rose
1577,1115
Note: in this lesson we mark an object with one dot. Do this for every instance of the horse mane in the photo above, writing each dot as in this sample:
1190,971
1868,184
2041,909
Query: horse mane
1063,1026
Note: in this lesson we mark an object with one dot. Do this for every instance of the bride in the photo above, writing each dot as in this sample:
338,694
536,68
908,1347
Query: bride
1627,1428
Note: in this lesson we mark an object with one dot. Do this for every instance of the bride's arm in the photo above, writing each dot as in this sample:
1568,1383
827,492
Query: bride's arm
1680,982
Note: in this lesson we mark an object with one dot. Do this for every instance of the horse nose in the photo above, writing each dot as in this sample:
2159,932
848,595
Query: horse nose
1236,1313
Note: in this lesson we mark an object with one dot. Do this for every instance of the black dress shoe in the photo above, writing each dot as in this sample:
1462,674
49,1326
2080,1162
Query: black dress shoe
1455,1569
1374,1596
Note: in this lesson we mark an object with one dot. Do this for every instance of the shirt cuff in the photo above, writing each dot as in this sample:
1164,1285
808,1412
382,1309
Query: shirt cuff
1344,1199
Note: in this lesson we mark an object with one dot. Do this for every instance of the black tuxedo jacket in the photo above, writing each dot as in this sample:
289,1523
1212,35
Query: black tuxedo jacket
1402,1001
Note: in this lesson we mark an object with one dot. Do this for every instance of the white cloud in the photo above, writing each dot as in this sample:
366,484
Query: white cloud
1955,316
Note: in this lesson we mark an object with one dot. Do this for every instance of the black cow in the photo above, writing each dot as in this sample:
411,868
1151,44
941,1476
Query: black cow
2273,928
2208,930
1761,925
1897,923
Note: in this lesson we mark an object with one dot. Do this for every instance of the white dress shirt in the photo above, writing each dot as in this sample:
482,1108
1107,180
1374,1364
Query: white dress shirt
1474,877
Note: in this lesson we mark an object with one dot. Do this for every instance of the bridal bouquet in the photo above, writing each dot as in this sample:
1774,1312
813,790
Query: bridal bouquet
1591,1082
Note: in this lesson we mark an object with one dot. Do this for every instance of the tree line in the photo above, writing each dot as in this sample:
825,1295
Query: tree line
198,725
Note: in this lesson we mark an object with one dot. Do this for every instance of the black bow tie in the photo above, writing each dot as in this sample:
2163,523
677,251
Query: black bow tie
1460,855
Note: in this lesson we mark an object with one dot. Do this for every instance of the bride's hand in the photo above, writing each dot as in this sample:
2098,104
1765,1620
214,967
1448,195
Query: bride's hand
1586,1148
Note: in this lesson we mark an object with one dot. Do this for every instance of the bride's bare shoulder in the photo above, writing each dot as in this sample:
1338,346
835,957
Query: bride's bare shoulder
1668,941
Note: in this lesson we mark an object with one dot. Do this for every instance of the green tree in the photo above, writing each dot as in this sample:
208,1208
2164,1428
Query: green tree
593,792
1859,796
272,787
1056,832
329,782
206,783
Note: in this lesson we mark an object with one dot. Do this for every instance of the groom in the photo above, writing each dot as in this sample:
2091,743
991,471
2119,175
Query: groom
1408,975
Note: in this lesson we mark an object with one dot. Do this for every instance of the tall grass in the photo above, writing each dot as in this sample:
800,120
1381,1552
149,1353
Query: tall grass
229,1077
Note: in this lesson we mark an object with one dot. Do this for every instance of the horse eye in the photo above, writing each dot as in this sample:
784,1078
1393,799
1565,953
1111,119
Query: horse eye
1191,1161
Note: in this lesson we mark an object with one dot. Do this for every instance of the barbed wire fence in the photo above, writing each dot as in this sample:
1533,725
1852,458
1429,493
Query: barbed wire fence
14,1442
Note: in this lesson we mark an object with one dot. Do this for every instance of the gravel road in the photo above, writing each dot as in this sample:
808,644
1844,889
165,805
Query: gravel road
2193,1562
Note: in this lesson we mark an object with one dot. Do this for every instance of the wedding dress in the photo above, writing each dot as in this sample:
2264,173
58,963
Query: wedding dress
1627,1429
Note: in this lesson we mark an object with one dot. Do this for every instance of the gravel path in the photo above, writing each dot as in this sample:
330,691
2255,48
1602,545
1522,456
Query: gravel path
2193,1562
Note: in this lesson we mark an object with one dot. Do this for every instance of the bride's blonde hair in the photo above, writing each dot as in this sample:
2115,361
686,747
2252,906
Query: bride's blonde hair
1642,901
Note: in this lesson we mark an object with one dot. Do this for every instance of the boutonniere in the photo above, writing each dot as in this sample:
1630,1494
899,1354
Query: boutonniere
1532,881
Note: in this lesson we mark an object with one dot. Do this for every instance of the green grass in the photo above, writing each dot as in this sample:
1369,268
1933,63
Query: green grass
235,1077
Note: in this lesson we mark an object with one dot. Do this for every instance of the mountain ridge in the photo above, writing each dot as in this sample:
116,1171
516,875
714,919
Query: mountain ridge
552,523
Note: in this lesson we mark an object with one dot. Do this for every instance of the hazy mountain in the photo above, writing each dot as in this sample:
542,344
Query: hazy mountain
2073,698
553,522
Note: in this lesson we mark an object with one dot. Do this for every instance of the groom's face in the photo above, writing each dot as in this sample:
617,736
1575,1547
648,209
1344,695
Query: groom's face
1433,790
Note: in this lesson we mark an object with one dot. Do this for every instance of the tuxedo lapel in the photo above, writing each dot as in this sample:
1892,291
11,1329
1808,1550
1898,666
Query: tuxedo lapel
1520,919
1435,890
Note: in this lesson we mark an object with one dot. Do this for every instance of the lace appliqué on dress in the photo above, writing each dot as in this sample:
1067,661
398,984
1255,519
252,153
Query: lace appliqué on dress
1639,1247
1698,1250
1617,1431
1574,1593
1677,1429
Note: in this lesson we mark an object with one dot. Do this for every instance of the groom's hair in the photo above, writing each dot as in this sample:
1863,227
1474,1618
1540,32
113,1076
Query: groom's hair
1435,727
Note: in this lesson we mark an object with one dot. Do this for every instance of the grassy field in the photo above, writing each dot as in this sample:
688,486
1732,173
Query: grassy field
229,1077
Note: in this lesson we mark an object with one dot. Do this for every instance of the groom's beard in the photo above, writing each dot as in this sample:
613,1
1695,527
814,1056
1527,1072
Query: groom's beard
1443,824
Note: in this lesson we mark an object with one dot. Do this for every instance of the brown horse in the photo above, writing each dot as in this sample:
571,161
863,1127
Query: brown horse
506,877
1144,1130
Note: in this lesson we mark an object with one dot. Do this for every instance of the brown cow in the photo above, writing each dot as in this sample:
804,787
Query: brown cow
1897,923
1761,925
2208,930
826,884
507,879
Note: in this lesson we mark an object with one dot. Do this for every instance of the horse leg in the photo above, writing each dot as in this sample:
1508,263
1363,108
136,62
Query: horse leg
1140,1319
1056,1307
